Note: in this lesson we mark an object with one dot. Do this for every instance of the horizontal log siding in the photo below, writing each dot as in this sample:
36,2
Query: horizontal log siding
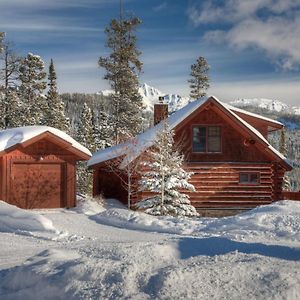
217,185
291,196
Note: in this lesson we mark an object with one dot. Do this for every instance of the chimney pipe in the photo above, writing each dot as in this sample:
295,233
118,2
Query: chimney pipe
160,110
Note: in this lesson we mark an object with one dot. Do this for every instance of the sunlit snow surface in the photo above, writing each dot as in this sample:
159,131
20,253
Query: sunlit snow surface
101,250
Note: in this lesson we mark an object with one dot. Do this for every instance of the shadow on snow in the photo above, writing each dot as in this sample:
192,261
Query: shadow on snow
212,246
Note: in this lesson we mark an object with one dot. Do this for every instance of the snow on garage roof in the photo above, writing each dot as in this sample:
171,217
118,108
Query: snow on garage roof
13,136
133,148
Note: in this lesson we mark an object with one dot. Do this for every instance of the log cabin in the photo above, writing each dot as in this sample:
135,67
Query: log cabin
234,166
38,167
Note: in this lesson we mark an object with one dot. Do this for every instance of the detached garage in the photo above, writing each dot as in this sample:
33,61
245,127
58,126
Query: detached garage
38,167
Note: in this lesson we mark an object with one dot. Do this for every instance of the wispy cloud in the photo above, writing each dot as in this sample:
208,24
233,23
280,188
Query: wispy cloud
270,25
160,7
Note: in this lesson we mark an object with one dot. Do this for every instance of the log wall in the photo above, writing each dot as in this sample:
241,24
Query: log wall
217,185
291,196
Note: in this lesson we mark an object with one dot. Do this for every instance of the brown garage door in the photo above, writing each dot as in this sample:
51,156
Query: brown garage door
36,185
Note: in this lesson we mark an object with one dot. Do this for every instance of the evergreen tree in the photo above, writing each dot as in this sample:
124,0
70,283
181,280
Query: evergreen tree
2,35
102,129
55,114
165,176
283,150
86,138
2,109
14,110
32,77
9,72
122,68
199,81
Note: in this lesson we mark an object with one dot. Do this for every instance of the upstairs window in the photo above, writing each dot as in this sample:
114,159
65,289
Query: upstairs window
207,139
249,178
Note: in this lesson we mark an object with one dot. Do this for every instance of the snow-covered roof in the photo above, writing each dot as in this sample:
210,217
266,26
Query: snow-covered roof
133,148
236,109
13,136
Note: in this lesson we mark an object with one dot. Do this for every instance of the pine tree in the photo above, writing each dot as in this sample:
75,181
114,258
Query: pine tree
165,176
2,109
86,138
2,35
55,114
102,129
32,77
199,81
9,73
14,110
283,150
122,68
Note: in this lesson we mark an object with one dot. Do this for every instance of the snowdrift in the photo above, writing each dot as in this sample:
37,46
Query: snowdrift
16,220
278,220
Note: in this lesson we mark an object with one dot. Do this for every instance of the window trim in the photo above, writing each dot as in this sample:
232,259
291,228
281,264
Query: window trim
249,174
206,144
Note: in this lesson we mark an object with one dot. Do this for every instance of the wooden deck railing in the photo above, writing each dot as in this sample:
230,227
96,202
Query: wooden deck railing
291,196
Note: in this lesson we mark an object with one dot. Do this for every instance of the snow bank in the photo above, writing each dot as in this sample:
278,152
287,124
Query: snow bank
280,220
41,277
124,218
89,206
14,219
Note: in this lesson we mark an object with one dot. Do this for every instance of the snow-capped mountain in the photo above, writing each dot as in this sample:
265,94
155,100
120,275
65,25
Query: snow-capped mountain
269,104
150,97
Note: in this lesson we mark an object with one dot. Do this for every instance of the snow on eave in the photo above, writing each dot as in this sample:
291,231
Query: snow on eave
236,109
14,136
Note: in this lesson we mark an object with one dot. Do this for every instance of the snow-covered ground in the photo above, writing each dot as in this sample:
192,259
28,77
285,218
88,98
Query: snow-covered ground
104,251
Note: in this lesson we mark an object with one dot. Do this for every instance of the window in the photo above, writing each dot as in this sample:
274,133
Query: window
249,178
207,139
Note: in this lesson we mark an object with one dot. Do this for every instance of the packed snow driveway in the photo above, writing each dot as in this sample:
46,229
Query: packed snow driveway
93,252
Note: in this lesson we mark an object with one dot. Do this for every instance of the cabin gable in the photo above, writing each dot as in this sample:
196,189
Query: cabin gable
234,145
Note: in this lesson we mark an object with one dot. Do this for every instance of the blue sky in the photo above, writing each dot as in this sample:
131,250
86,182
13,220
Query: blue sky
252,46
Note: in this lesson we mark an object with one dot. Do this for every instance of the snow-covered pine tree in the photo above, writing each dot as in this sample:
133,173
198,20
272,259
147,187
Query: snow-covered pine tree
122,68
199,81
164,174
9,72
2,35
55,114
283,149
32,78
14,110
2,109
86,138
102,129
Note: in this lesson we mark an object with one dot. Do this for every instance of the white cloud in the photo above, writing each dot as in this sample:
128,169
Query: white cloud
270,25
232,11
160,7
277,36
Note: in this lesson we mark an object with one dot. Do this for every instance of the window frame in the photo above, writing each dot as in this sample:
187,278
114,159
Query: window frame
248,175
206,126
